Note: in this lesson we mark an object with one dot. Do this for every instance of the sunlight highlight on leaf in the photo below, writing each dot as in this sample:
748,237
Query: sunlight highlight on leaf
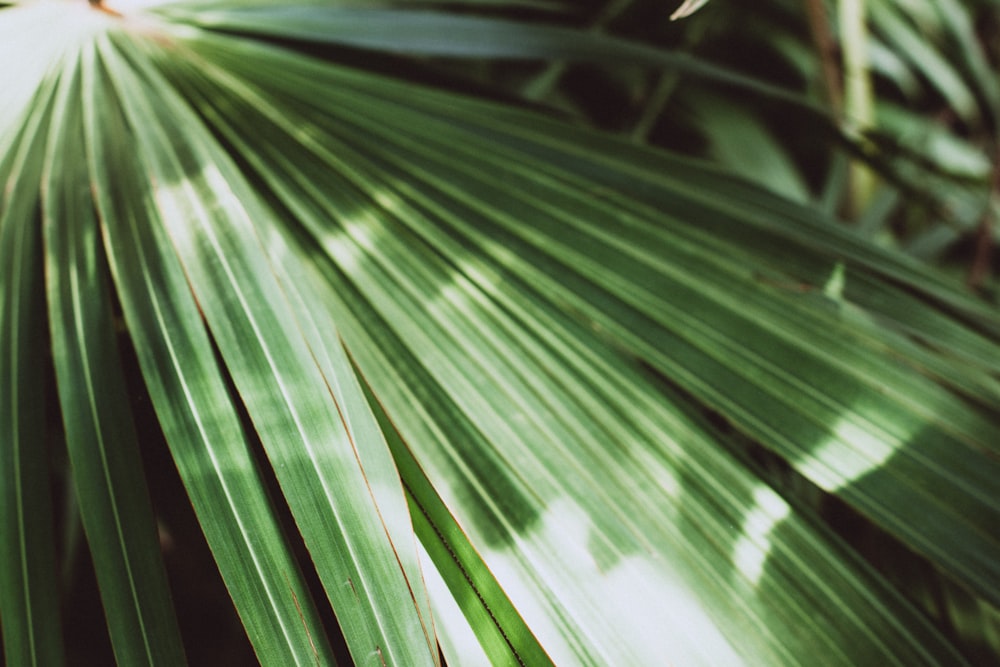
833,465
687,9
38,37
752,548
649,609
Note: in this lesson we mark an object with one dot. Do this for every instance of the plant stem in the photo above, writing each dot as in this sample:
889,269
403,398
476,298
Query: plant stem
826,48
859,100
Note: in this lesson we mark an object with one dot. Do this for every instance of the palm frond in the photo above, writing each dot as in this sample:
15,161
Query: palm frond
537,349
29,603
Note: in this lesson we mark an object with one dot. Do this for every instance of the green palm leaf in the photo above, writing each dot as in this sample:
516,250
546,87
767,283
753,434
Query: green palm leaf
537,349
29,604
302,427
102,444
199,416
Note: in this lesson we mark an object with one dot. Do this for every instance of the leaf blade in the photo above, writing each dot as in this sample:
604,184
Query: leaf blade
276,374
29,600
195,409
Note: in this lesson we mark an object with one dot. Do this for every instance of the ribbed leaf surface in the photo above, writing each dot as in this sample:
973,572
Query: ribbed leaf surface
103,447
519,341
29,603
188,388
308,433
400,226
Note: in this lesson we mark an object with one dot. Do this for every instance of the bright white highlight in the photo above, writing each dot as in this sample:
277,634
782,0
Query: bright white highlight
35,38
349,247
754,545
132,6
640,611
688,8
850,452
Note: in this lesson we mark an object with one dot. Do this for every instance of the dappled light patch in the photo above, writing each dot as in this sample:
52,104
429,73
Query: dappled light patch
654,610
753,544
851,451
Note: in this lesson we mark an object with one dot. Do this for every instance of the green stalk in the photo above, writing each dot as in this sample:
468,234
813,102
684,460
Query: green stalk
859,99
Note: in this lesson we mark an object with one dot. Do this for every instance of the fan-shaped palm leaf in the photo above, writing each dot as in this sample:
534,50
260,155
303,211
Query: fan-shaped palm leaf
434,317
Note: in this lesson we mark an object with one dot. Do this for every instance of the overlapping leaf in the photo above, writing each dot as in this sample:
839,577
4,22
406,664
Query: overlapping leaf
209,444
387,235
101,439
305,427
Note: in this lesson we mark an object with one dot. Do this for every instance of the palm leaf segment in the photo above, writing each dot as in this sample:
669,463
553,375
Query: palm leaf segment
509,329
